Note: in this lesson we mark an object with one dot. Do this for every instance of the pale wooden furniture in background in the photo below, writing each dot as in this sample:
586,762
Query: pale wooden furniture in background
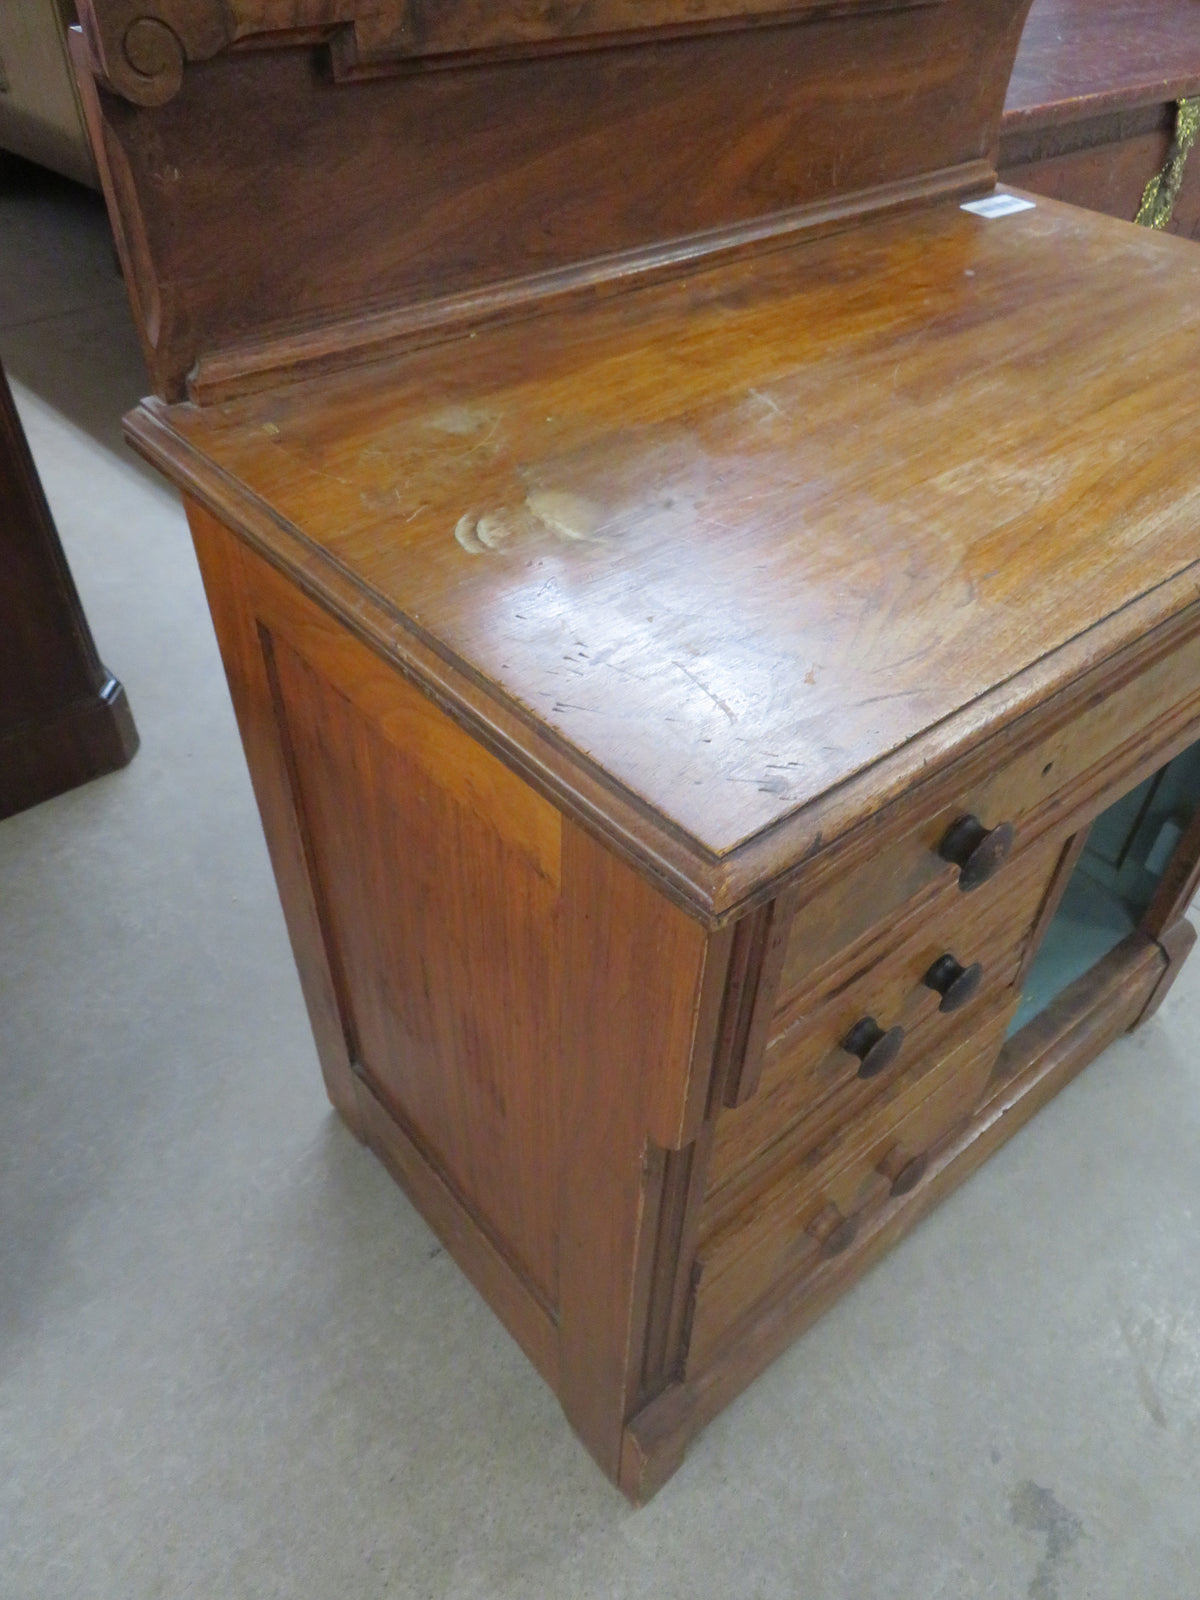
41,117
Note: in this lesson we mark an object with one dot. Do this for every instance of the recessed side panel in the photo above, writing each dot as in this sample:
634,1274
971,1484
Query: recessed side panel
440,876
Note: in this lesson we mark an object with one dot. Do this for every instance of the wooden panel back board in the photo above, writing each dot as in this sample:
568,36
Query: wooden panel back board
270,216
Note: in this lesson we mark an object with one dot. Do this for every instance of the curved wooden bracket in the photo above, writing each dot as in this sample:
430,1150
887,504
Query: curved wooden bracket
139,48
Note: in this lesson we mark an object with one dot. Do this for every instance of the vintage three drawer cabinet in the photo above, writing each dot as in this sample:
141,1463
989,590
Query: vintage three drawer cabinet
715,624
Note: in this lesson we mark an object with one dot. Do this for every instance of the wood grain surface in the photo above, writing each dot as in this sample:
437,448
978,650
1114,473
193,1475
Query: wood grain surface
1104,165
641,1007
1078,57
1091,107
808,1079
736,541
645,517
232,575
771,1239
252,241
141,48
520,1024
1032,1067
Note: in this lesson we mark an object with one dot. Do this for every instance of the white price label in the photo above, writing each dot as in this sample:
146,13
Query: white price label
999,205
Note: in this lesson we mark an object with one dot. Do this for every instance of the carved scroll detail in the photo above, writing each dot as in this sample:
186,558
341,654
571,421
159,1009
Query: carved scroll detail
139,48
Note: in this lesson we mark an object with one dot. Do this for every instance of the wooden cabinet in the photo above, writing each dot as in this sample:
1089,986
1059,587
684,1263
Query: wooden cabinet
64,718
1101,102
679,687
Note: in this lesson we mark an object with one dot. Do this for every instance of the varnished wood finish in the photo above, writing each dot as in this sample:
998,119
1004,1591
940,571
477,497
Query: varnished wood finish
822,1199
761,945
64,719
1030,1070
617,680
1104,164
476,192
643,986
403,817
1077,55
673,485
231,574
506,1290
810,1083
1179,884
465,1027
141,47
1176,943
657,1013
1090,110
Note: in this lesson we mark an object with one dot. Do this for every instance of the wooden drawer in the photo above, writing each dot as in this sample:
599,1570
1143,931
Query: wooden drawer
1067,775
809,1079
814,1210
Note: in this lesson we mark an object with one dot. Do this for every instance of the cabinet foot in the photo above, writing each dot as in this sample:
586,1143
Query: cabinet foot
78,742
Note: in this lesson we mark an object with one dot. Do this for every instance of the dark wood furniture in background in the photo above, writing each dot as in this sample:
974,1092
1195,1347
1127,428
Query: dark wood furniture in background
1092,107
707,616
64,718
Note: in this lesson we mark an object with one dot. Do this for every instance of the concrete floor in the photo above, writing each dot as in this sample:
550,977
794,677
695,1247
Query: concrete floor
234,1362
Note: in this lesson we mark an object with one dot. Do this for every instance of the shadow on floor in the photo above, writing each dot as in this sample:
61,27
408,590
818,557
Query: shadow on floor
66,331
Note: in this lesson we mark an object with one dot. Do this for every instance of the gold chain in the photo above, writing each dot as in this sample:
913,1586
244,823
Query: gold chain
1162,191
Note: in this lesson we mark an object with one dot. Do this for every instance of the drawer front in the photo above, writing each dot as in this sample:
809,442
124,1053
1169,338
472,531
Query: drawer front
1067,775
809,1078
814,1210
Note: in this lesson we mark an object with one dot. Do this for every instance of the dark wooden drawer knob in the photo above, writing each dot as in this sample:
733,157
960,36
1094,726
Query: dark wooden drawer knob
875,1049
977,852
902,1170
955,983
832,1231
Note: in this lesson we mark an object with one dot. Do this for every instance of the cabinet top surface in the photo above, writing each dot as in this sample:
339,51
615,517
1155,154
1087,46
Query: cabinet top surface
1079,56
736,539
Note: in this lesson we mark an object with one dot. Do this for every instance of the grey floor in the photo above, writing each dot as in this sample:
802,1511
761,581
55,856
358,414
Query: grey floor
233,1362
